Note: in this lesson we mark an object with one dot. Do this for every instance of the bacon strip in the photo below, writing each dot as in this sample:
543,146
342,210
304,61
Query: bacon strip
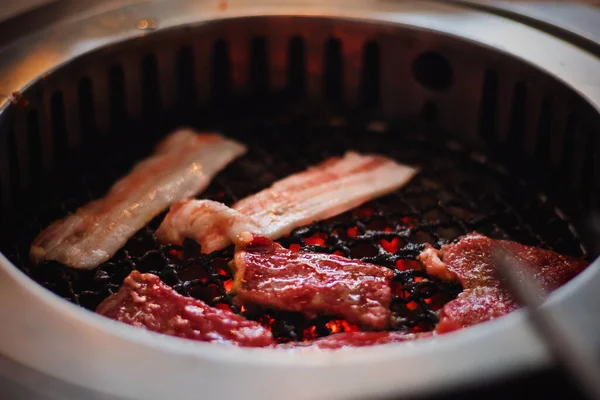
270,275
322,191
145,301
470,262
183,165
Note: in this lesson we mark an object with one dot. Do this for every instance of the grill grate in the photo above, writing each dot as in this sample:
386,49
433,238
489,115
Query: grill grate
457,191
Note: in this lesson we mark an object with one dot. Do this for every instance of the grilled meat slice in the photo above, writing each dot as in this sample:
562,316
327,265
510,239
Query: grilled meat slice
270,275
145,301
470,261
322,191
183,165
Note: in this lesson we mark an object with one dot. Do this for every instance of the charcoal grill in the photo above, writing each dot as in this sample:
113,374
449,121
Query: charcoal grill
501,113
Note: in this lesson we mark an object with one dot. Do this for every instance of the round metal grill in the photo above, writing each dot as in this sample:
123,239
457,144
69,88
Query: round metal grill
457,191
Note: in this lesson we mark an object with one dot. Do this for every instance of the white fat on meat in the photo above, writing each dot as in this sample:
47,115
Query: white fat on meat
323,191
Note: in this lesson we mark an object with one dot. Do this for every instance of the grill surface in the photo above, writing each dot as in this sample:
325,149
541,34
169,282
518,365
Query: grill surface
457,191
77,81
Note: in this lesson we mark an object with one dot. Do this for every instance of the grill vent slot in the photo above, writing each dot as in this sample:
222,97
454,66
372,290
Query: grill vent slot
580,157
13,166
297,68
221,72
488,115
370,80
544,130
59,127
187,93
518,117
151,102
87,115
35,146
587,180
259,68
572,130
117,100
334,69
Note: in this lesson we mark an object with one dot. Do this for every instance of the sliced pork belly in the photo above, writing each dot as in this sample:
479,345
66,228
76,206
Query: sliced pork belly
183,165
272,276
323,191
470,261
212,224
357,339
145,301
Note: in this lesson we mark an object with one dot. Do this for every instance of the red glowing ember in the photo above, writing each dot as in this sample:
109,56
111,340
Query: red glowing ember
316,239
391,246
295,247
310,333
407,265
340,325
408,221
175,254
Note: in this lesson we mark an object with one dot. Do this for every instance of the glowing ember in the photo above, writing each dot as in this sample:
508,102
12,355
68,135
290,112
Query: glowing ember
310,333
408,221
228,285
407,265
295,247
176,254
266,321
353,232
337,326
391,246
316,239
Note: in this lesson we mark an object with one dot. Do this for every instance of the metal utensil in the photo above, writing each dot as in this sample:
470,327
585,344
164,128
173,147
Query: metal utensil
567,347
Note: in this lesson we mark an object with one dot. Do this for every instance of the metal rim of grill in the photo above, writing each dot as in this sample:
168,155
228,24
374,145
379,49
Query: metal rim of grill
432,96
